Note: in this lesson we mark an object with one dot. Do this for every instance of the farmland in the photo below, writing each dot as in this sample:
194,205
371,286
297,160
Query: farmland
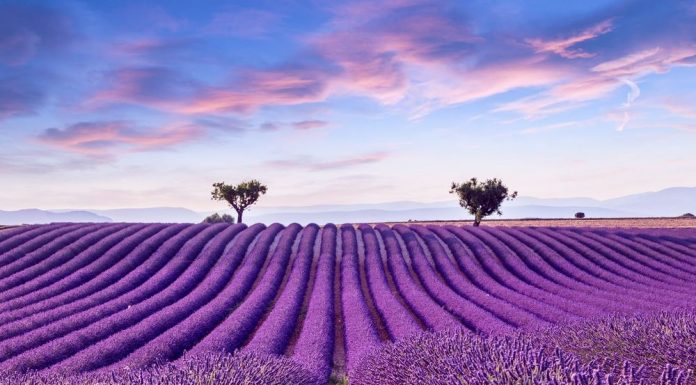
92,298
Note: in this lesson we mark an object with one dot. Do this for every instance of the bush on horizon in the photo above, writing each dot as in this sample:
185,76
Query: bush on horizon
217,218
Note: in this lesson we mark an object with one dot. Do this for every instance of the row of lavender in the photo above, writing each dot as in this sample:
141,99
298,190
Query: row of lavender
617,350
94,297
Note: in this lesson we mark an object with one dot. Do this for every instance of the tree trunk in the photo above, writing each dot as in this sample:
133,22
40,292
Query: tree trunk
477,219
239,216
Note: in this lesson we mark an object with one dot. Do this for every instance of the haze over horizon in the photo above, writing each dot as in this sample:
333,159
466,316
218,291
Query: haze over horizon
449,200
124,104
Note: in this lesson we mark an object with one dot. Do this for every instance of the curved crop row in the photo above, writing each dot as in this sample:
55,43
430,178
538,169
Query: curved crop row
215,270
101,297
235,329
360,333
314,347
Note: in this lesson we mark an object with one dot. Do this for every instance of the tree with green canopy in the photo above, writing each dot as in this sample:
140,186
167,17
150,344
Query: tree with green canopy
240,196
482,199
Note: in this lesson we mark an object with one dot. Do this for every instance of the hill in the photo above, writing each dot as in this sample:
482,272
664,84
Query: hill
43,216
665,203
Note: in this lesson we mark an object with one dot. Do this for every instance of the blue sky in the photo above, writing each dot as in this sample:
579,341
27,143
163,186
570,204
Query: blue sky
132,104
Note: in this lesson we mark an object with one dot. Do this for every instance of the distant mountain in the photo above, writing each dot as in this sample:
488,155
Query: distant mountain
31,216
422,214
669,202
150,215
558,202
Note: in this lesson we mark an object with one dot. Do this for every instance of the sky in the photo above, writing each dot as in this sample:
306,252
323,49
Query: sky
108,104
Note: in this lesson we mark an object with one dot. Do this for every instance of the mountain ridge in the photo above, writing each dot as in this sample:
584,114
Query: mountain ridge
669,202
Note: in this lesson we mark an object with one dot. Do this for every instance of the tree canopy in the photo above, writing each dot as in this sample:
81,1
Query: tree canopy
240,196
482,199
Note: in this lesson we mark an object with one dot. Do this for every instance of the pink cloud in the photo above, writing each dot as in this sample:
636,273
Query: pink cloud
656,59
418,55
601,80
562,47
378,53
562,97
372,57
283,86
680,108
494,79
309,124
365,68
105,139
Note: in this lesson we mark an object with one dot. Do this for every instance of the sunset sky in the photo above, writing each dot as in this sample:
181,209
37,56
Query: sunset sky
107,104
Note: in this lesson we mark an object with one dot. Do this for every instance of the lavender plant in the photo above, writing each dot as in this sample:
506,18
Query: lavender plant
211,369
619,350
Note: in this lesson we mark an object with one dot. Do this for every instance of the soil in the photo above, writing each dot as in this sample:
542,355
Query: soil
671,222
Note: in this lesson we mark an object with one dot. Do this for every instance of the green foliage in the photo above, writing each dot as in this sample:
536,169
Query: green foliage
240,196
217,218
482,199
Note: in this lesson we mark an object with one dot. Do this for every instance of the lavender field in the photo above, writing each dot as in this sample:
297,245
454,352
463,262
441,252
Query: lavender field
163,304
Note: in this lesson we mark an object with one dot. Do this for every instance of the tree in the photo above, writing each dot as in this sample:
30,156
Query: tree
579,215
482,199
240,196
216,218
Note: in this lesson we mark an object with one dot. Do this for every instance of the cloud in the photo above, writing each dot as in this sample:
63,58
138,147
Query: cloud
680,108
154,46
312,164
109,138
551,127
491,80
29,30
309,124
651,60
154,86
287,85
377,48
41,162
421,55
223,123
170,90
601,80
632,95
688,127
269,126
29,33
562,97
371,54
562,47
302,125
20,96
